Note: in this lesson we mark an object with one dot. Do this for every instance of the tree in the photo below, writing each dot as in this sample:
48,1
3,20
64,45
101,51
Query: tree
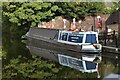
78,10
70,10
23,15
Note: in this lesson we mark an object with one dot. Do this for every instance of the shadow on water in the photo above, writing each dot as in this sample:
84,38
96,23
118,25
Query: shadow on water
13,47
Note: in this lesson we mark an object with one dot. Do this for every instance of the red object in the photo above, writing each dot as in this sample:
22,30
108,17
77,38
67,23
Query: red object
99,25
99,68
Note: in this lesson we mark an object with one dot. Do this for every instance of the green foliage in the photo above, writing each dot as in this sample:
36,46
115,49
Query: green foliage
69,10
72,73
0,53
95,7
30,68
28,12
113,8
3,54
79,10
22,15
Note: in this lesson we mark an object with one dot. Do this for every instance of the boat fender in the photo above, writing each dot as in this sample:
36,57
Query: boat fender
96,46
97,60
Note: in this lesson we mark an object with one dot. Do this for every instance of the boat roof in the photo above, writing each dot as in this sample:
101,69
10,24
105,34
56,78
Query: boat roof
88,32
62,30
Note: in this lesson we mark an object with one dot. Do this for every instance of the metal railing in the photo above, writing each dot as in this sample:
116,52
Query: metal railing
106,38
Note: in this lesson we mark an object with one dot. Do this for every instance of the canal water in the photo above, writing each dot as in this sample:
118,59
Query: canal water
14,47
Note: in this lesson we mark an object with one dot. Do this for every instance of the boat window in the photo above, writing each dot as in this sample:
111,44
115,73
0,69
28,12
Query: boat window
77,38
90,65
91,38
63,60
77,64
63,36
70,61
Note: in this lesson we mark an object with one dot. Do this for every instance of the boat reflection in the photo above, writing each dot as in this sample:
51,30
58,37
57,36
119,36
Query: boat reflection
83,62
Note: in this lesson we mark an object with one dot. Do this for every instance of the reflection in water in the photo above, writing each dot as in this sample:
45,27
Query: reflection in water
82,62
14,47
110,63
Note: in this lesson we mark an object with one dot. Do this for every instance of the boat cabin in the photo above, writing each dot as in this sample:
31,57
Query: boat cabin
79,64
78,37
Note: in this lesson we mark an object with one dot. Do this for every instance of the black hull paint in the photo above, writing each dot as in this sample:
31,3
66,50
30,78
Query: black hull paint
52,44
55,45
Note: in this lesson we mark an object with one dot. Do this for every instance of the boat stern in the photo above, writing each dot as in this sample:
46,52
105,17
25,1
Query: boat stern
92,48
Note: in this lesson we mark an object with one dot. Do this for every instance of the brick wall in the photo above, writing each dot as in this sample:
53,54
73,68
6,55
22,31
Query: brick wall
85,24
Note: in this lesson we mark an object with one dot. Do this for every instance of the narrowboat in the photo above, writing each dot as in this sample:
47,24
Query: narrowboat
59,39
